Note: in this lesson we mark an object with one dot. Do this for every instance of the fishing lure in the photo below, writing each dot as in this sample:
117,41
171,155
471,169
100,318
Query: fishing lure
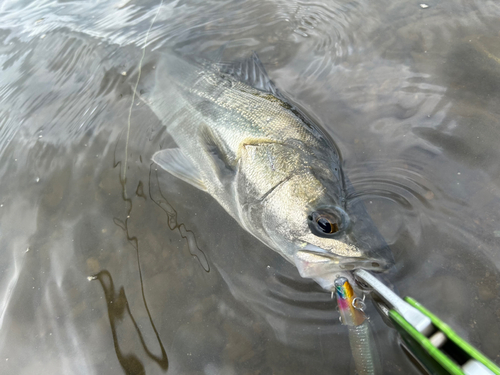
360,338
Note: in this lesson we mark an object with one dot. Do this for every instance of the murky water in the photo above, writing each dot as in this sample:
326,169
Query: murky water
409,94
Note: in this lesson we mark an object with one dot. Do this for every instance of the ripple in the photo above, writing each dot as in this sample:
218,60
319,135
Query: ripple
295,308
327,30
397,180
330,30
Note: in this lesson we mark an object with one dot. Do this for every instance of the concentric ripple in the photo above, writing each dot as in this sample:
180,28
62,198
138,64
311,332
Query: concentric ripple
399,181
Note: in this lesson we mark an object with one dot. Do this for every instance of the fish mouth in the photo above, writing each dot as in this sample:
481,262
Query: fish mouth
313,261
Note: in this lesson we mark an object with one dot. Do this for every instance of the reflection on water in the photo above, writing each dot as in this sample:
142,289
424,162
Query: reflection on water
410,96
162,202
117,306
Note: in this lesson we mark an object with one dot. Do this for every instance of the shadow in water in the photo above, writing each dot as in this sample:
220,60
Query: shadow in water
117,305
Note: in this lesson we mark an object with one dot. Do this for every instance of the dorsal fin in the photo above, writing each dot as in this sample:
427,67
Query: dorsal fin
250,71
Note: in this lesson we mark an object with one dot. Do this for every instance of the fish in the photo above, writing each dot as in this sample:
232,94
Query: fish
266,162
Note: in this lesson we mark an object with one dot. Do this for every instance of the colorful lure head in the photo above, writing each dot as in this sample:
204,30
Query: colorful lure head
351,315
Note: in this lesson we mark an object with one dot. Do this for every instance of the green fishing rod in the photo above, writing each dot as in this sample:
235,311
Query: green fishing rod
436,347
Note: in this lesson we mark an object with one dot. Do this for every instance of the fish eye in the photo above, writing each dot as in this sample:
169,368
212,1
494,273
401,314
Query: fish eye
324,223
327,226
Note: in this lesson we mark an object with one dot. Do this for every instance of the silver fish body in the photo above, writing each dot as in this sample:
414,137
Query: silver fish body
271,168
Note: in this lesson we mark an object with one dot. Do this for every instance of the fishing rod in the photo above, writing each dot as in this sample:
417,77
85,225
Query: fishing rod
436,347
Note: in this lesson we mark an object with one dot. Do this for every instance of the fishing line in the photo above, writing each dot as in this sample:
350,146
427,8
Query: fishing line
134,91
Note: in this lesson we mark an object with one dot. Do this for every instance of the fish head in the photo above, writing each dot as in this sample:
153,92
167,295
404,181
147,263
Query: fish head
309,223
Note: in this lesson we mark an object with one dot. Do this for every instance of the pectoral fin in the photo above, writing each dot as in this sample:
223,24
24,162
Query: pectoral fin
176,163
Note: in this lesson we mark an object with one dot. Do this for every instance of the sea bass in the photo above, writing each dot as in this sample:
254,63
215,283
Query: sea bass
273,169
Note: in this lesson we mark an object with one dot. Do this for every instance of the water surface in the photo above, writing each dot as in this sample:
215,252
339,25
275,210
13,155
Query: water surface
101,275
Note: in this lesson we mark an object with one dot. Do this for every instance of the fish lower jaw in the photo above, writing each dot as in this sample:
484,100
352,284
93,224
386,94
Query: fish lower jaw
312,263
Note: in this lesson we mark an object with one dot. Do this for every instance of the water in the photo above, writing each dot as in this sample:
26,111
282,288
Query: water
151,275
